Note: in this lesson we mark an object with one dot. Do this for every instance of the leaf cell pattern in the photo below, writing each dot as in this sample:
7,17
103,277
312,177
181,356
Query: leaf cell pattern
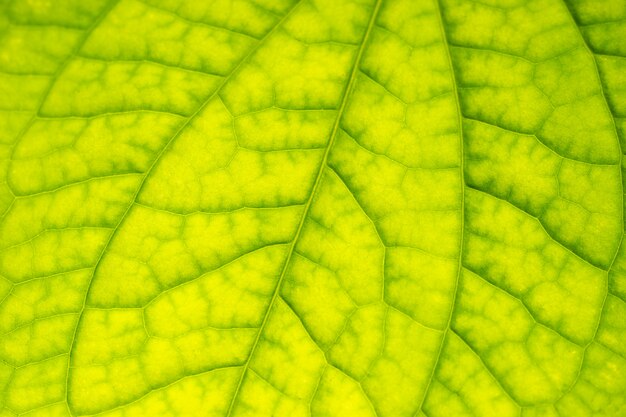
316,208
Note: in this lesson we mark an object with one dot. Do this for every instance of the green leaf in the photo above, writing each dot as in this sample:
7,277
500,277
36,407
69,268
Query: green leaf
351,208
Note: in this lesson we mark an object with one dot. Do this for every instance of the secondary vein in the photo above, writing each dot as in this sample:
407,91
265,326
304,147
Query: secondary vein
147,175
444,37
318,180
621,158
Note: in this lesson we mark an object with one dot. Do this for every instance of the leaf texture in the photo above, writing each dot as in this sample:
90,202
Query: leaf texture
368,208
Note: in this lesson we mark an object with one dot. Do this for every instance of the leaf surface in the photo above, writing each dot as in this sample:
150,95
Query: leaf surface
365,208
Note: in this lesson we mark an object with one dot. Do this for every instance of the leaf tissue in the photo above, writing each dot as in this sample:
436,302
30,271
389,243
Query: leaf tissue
312,208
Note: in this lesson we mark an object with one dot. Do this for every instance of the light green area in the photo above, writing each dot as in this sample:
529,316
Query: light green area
312,208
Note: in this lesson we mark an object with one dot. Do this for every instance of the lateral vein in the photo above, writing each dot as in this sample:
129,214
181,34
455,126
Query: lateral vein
147,175
447,329
346,95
